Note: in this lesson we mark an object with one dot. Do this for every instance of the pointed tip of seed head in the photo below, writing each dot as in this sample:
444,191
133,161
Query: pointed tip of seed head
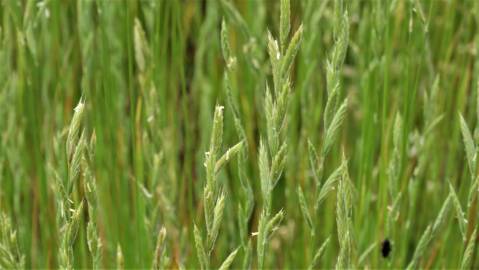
270,36
300,28
220,108
80,106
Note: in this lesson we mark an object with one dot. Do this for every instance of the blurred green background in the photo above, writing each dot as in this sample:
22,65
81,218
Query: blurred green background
149,99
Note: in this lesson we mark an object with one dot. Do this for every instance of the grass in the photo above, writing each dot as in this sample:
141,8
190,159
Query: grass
239,134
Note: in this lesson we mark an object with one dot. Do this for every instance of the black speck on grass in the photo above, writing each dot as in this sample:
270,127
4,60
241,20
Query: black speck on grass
386,248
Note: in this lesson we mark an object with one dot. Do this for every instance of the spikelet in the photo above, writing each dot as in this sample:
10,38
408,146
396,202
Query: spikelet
74,129
469,145
290,54
159,255
318,254
333,129
141,46
284,22
459,213
420,248
213,201
228,261
305,210
329,184
203,258
230,60
120,260
94,244
217,219
10,255
468,253
233,151
344,208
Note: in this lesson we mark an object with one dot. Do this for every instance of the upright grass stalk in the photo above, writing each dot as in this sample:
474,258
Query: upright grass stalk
213,194
70,211
273,148
246,204
334,112
333,118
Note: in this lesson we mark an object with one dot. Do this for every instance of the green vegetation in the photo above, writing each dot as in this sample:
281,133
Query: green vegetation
241,134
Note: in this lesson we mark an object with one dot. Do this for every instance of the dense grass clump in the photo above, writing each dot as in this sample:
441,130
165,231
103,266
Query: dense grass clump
241,134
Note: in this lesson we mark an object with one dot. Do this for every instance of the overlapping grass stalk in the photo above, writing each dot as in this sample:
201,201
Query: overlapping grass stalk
213,194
